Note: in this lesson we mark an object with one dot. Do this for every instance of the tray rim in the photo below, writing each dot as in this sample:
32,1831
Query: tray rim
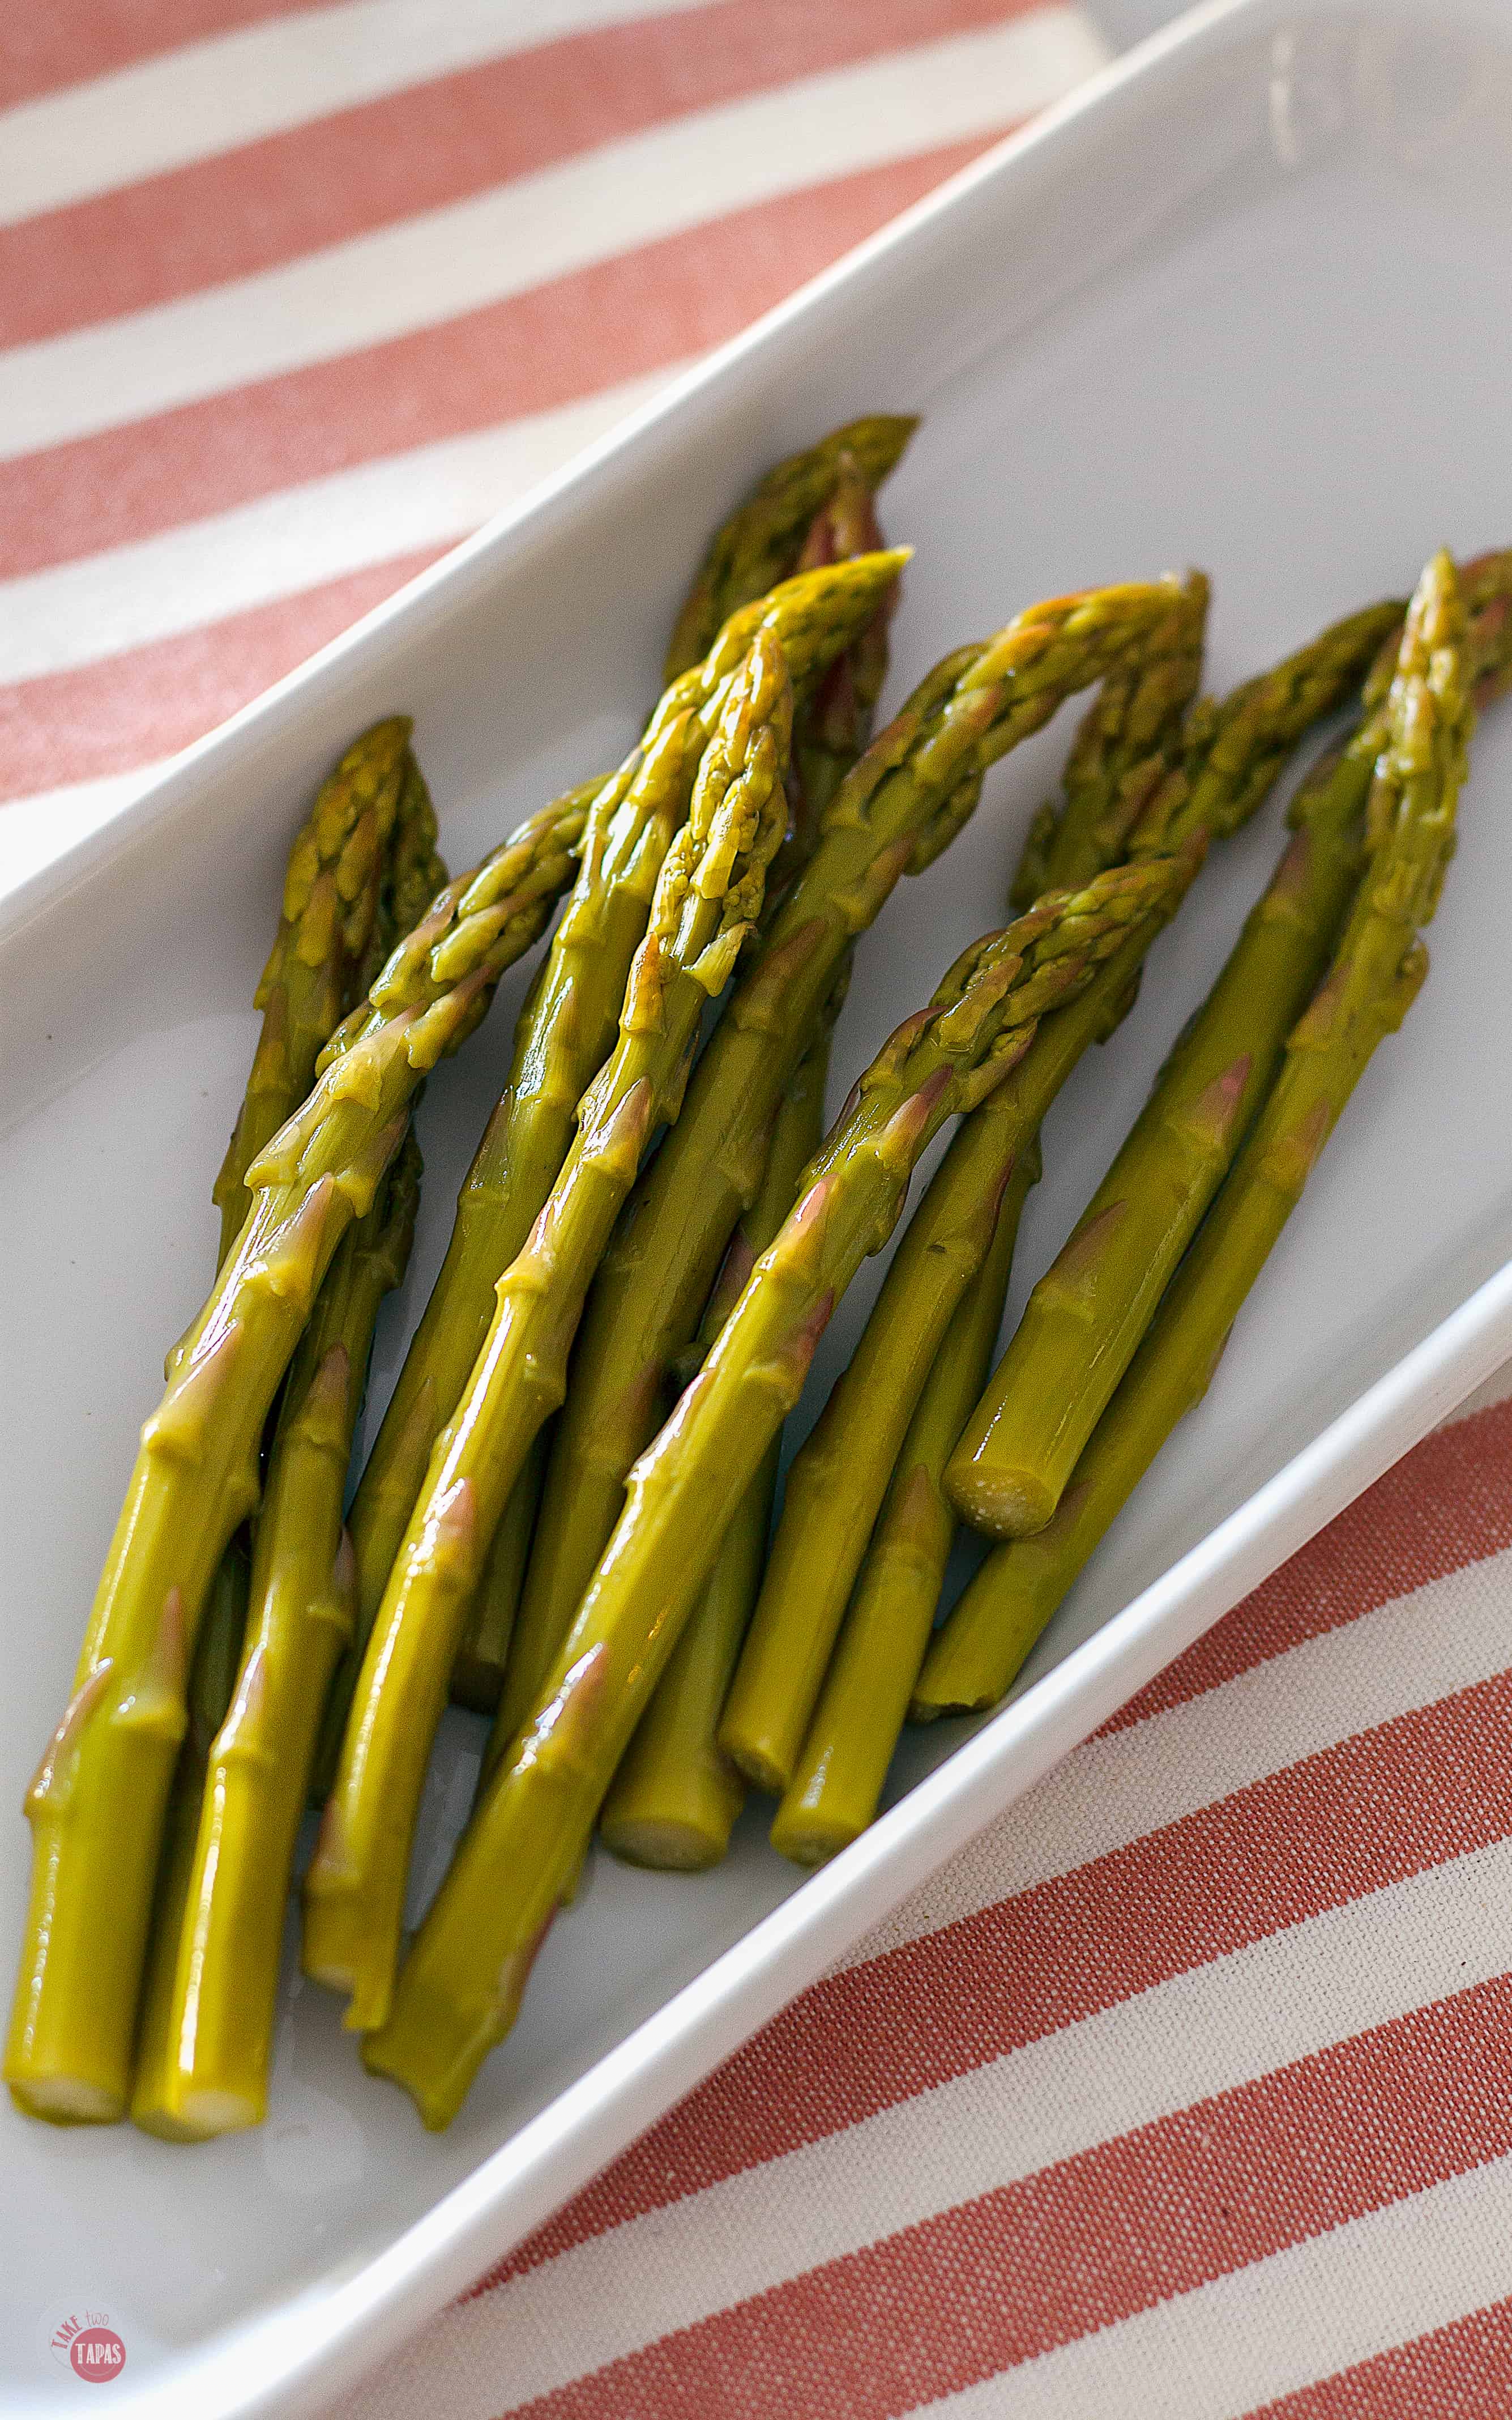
318,2341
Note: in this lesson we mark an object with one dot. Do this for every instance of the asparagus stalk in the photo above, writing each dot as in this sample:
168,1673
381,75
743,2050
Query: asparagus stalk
97,1803
1088,1312
1376,973
676,1795
708,895
907,796
1129,738
760,544
564,1032
207,2036
330,909
837,1484
840,1772
457,1992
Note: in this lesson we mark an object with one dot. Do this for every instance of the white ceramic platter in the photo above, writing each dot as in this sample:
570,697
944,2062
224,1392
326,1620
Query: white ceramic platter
1245,303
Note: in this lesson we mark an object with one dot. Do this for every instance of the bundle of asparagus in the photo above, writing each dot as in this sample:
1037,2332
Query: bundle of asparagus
678,1794
358,873
459,1987
1192,794
1391,793
756,816
1137,1225
707,897
912,791
568,1027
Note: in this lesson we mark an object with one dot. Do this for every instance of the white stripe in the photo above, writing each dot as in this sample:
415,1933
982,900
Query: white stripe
34,830
1410,1653
611,201
1280,2324
1205,2032
277,544
260,80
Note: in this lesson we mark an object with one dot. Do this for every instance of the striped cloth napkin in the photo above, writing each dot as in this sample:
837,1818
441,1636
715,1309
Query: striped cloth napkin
1180,2095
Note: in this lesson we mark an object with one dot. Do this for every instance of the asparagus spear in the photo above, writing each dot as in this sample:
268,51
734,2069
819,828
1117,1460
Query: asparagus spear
1129,736
838,1777
330,909
459,1986
1087,1314
911,791
760,543
1376,973
97,1803
836,1485
361,869
206,2035
676,1794
564,1034
708,895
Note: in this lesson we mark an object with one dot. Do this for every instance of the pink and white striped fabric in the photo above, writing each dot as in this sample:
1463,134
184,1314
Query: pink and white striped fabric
292,297
1184,2092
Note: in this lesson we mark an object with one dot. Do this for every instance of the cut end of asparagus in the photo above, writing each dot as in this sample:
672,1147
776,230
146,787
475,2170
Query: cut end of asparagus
670,1844
337,1952
1001,1504
809,1835
437,2103
926,1706
758,1758
433,2048
197,2117
68,2100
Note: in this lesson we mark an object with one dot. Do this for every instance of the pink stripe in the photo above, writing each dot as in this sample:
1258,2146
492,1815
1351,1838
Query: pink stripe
1091,2240
1463,2370
618,319
1390,1803
338,177
134,707
45,43
1445,1505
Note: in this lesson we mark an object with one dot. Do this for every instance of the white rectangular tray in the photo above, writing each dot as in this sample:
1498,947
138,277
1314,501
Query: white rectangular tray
1245,302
